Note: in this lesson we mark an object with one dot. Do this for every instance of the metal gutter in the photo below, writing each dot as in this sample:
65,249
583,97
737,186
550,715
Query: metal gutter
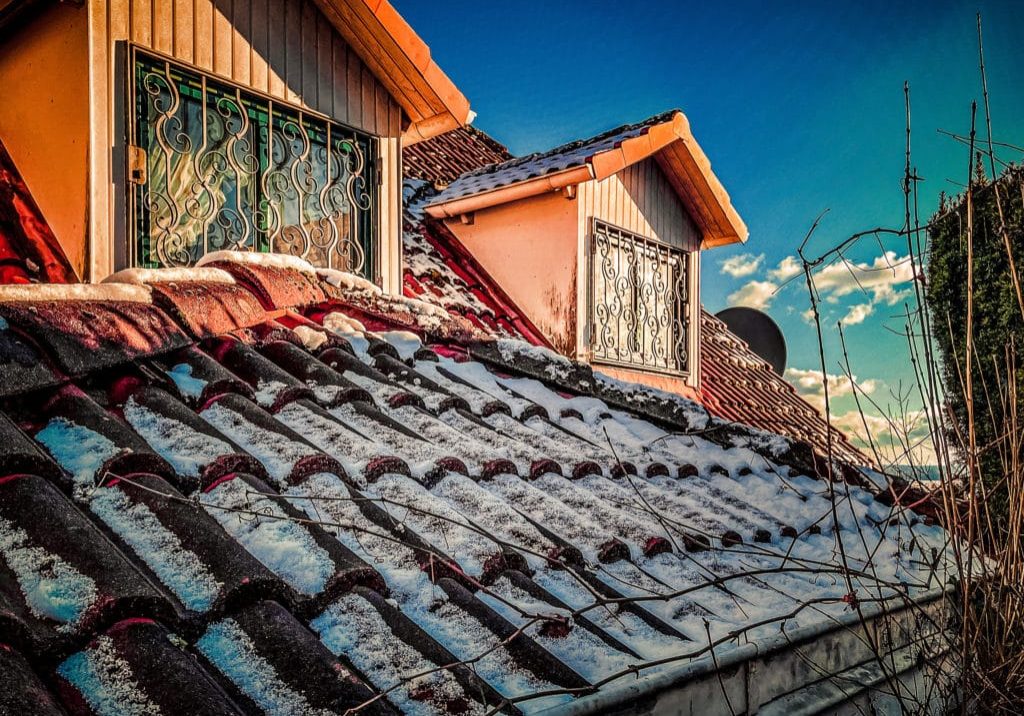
750,676
511,192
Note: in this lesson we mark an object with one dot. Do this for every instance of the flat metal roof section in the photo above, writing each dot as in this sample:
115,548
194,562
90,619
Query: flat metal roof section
827,667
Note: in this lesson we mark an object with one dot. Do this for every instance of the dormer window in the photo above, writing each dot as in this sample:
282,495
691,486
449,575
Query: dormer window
216,167
639,312
599,241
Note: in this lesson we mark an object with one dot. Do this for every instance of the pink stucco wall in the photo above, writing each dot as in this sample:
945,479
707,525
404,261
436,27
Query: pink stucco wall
531,249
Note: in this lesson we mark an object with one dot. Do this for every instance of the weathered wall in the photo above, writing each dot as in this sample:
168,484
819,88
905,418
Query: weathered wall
531,249
44,118
284,48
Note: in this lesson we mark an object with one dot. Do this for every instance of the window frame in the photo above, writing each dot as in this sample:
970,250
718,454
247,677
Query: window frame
679,318
364,230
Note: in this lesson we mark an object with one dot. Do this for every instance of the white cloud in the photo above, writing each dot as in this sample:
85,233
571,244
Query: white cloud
787,269
756,294
858,313
899,440
808,316
880,279
812,388
742,265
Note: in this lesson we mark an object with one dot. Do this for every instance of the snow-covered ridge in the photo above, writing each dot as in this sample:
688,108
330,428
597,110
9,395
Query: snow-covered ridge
38,292
252,258
143,277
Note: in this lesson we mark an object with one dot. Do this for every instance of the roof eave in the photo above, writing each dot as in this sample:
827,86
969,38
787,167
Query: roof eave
511,192
393,51
678,154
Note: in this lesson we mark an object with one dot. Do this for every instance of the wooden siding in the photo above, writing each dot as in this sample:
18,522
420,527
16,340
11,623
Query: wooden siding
639,199
284,48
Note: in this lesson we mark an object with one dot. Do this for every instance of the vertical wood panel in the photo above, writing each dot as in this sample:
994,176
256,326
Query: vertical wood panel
293,51
367,84
308,52
355,90
241,43
324,65
222,34
339,70
276,16
163,26
259,69
142,18
202,40
184,29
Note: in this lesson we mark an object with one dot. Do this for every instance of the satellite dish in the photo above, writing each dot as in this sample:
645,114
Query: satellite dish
760,332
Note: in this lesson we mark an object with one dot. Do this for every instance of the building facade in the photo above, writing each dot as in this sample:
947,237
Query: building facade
151,132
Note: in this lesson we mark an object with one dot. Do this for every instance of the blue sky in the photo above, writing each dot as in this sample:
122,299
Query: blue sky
799,106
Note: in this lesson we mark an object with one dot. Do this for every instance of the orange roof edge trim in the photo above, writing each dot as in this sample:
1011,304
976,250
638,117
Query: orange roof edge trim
709,202
418,52
432,102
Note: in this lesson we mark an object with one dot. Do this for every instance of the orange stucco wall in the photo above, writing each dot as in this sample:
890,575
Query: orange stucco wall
661,381
536,248
531,249
44,118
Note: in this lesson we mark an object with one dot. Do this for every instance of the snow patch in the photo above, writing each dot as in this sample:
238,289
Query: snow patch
53,589
79,450
310,337
277,453
143,276
188,450
102,292
106,681
178,568
270,535
347,281
188,385
250,258
230,649
404,342
353,628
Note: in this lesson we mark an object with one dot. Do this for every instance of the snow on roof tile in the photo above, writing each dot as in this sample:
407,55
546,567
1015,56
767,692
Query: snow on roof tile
443,478
446,156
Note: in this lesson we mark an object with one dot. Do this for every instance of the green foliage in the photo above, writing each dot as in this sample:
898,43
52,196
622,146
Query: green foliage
998,321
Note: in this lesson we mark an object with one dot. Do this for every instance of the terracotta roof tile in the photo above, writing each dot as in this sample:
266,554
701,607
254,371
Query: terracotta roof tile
445,157
251,523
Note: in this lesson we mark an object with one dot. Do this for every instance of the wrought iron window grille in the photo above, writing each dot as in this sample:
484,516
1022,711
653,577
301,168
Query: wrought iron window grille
215,166
639,301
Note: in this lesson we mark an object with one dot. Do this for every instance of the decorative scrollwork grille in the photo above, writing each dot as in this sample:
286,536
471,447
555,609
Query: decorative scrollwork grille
639,301
226,168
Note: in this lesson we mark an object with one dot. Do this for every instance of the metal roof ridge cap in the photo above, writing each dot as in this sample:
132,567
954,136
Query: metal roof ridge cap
626,691
511,192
